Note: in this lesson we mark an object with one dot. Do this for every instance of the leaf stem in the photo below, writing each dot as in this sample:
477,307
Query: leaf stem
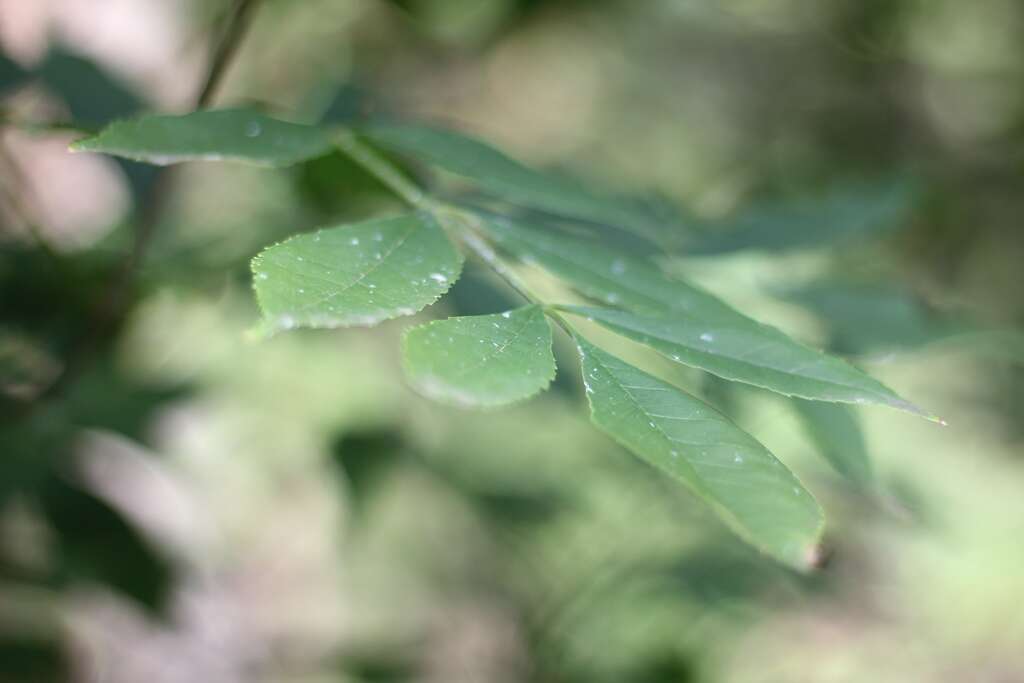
382,169
468,224
471,237
120,296
15,193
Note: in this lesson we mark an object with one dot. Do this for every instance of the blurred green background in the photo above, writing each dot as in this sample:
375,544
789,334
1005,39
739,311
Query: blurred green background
178,503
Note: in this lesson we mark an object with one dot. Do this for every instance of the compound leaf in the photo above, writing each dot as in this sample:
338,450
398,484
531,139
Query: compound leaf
688,324
754,493
481,361
212,135
355,275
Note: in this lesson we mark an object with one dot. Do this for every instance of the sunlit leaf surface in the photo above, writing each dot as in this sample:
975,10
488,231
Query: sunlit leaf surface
485,360
215,135
356,274
740,479
751,353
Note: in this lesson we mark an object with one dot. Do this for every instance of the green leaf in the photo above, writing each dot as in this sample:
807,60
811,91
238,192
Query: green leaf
688,324
836,433
499,175
481,361
608,276
742,350
844,213
756,495
214,135
357,274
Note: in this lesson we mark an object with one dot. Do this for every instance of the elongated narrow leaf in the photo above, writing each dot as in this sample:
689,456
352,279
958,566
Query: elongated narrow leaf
608,276
837,435
215,135
356,274
497,174
480,361
747,486
751,353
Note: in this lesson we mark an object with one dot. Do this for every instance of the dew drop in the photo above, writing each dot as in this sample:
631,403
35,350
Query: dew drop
738,458
354,241
438,277
506,314
261,276
253,130
618,267
707,337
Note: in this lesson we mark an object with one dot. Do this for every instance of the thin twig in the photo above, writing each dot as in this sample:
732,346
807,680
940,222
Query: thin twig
15,195
238,21
118,302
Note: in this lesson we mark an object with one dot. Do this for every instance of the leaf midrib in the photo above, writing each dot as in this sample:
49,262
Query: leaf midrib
697,483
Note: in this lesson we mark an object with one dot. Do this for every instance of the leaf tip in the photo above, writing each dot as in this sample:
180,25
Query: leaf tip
816,557
931,417
915,409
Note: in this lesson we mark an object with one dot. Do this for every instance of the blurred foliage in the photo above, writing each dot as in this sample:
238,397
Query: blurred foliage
289,511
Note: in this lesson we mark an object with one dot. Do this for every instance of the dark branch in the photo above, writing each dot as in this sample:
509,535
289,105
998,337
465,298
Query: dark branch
237,24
